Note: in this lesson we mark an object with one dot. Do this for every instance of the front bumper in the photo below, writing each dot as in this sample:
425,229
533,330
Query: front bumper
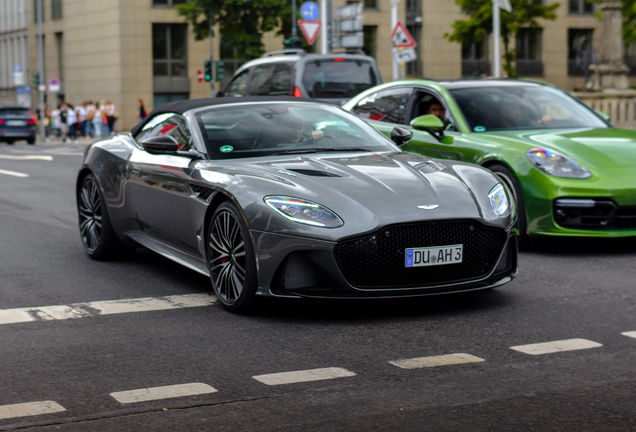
291,266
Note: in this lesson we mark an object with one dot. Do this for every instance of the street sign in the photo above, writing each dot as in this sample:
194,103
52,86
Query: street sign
309,11
54,85
18,75
348,26
404,55
42,87
401,37
200,76
310,30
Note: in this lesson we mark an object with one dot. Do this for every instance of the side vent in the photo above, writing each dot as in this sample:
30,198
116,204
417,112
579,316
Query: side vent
201,192
313,173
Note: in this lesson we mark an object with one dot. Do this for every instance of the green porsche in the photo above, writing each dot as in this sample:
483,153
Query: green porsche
571,172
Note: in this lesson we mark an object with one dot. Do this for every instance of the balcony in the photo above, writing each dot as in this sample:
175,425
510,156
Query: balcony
529,67
475,68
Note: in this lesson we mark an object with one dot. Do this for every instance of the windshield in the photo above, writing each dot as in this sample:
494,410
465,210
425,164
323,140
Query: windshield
522,107
338,79
261,129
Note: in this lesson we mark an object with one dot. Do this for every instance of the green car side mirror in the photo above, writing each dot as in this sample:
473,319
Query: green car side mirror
605,116
429,123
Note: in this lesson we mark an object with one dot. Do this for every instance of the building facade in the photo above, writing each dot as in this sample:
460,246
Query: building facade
119,50
126,50
14,49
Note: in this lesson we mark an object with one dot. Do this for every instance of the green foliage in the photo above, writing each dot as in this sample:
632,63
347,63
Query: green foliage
243,22
629,19
525,14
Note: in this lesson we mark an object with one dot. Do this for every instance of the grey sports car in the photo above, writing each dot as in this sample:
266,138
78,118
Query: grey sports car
288,197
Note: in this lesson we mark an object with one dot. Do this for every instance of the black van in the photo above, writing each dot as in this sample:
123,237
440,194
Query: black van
333,78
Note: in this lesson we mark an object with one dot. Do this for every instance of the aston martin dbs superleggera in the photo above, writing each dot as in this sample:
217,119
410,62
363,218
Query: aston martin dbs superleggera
288,197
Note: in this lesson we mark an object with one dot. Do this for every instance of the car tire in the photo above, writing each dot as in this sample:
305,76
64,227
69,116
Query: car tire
10,142
510,180
231,260
97,233
31,141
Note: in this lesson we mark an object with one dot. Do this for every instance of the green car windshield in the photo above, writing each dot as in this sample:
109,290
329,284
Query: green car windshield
262,129
522,107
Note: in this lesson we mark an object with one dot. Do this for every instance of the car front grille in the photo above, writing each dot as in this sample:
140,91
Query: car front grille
593,214
377,261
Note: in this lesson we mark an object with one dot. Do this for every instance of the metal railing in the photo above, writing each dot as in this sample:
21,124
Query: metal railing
475,68
529,67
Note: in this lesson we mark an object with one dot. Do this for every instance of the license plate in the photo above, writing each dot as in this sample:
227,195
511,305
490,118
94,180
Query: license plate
435,255
16,123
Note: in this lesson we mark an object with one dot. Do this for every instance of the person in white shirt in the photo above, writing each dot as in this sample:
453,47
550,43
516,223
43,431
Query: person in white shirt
81,119
71,118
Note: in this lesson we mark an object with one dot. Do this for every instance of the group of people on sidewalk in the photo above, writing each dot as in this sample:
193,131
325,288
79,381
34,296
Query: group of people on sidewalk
87,119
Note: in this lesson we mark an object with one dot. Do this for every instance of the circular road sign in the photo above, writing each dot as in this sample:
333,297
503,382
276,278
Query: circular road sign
309,11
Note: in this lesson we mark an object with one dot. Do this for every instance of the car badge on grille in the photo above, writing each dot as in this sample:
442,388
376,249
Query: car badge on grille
428,206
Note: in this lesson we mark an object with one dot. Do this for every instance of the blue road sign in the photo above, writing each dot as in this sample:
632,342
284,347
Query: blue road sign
309,11
17,68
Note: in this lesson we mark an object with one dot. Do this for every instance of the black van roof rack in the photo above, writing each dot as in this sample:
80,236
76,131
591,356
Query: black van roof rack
298,51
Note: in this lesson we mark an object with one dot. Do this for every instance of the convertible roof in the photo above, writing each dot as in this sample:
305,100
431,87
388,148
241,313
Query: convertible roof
179,107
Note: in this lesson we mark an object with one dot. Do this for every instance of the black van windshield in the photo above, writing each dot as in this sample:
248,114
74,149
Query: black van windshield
338,78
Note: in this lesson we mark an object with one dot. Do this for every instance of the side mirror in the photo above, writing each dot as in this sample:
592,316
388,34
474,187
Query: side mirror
429,123
605,116
160,145
401,136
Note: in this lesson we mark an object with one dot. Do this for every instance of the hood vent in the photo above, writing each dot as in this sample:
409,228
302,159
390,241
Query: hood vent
313,173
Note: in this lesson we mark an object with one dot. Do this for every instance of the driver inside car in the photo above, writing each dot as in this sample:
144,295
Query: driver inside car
292,131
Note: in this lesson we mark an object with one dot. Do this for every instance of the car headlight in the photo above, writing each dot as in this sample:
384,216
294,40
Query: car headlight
556,164
499,200
303,211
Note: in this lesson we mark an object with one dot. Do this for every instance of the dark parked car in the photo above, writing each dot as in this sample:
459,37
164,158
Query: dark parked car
288,197
17,123
333,78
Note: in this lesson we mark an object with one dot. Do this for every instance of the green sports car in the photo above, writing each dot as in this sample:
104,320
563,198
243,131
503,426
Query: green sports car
571,172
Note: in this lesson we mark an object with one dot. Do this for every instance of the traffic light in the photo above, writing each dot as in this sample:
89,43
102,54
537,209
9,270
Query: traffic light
36,79
292,42
207,70
219,70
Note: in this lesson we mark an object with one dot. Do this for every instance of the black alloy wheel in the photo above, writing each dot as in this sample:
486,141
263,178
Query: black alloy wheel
231,260
98,236
510,180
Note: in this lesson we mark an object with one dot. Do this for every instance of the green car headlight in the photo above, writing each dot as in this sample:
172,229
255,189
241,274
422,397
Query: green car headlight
499,200
556,164
303,211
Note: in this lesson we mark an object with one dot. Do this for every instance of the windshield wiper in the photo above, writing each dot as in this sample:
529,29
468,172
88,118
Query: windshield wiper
321,150
296,152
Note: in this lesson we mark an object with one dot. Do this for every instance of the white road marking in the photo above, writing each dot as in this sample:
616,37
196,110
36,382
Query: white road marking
167,392
303,376
82,310
443,360
630,334
13,173
556,346
29,409
27,157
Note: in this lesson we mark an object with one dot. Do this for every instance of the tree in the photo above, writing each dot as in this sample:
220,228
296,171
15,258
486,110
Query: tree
242,22
525,14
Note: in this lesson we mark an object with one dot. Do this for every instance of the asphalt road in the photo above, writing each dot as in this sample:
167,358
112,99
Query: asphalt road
80,343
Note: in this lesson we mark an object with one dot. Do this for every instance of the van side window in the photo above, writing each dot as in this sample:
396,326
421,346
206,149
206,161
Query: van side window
237,86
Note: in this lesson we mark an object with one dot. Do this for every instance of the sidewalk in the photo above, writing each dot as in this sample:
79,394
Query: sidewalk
58,140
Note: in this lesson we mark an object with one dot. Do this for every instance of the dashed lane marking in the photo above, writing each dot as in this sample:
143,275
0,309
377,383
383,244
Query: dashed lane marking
91,309
303,376
557,346
443,360
167,392
630,334
27,157
13,173
29,409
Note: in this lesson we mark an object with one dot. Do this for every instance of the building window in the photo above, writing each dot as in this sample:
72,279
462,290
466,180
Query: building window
579,51
372,4
580,7
167,3
35,11
169,50
475,59
630,57
163,98
370,41
56,9
529,52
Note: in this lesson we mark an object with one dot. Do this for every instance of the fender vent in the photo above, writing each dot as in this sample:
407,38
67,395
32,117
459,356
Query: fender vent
314,173
201,192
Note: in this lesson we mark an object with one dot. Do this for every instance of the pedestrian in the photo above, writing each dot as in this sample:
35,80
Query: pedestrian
142,112
64,121
112,115
90,113
97,121
80,111
104,109
71,118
